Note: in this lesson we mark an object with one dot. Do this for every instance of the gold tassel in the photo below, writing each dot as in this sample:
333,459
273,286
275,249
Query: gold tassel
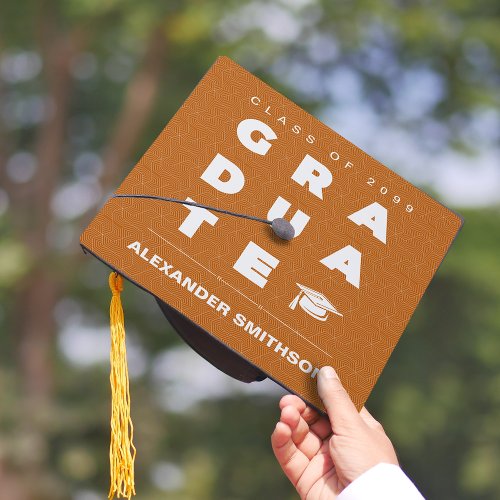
121,450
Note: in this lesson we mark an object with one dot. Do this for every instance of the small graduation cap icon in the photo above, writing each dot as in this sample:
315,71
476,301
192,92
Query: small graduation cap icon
314,303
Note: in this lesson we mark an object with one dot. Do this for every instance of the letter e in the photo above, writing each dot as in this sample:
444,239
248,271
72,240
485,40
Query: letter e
256,264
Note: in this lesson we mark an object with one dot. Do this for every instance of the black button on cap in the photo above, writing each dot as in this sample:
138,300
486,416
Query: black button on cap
283,229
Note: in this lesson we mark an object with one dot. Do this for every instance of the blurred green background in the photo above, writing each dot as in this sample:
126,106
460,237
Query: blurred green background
86,85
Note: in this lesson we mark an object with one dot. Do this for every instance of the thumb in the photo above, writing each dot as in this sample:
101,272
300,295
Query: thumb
341,410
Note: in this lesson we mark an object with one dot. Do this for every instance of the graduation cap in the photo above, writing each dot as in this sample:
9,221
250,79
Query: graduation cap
242,197
313,303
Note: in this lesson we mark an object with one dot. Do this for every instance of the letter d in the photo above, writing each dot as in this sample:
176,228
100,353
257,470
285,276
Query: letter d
201,293
219,165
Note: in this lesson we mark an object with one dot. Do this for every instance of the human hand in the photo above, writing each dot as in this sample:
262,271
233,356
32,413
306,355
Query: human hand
321,456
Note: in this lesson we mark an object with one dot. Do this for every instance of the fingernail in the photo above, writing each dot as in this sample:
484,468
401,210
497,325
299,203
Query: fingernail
328,372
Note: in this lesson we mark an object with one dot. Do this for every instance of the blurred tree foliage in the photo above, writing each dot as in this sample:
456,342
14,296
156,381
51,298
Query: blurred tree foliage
85,86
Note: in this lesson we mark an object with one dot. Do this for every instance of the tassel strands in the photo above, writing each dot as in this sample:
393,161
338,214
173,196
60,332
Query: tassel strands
121,450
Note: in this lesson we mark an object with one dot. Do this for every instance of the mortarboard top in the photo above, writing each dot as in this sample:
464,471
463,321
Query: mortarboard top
314,303
366,245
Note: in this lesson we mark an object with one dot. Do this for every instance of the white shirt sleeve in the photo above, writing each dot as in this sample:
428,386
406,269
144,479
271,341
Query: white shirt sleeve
382,482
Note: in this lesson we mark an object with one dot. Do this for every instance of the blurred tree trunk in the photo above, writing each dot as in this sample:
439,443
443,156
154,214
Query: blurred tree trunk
4,149
12,487
39,291
136,109
37,294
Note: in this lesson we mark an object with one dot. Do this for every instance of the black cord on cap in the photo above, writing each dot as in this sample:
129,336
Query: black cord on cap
281,227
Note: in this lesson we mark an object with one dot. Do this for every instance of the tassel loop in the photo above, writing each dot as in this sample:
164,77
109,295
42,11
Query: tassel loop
121,450
115,283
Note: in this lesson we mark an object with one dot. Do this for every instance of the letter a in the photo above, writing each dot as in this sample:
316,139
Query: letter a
348,261
374,217
135,246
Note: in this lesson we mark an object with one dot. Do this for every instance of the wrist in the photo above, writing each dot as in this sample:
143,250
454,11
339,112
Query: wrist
384,481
